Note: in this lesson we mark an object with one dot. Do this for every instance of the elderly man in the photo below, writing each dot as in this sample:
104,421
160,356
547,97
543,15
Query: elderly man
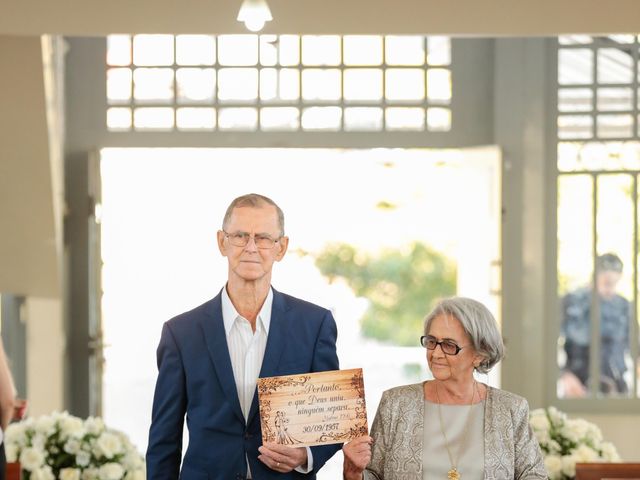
209,359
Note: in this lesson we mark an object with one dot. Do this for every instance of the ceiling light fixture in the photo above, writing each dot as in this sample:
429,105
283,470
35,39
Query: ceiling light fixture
254,14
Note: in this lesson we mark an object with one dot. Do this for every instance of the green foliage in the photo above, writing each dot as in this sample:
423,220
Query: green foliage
401,286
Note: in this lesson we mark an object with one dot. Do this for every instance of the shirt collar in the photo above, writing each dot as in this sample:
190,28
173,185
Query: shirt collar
230,314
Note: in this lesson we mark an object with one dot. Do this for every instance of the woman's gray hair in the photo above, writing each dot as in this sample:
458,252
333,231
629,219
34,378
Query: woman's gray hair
480,325
254,200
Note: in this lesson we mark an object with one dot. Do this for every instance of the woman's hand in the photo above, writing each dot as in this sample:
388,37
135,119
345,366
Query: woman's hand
357,455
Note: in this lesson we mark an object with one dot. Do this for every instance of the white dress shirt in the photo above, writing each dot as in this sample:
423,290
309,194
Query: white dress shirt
246,349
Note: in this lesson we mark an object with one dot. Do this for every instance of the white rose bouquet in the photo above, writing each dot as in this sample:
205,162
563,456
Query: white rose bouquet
565,441
63,447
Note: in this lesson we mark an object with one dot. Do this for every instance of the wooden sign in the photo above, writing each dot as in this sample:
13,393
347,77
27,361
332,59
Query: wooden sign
313,408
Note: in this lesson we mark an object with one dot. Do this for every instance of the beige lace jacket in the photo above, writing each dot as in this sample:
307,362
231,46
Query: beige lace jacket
510,449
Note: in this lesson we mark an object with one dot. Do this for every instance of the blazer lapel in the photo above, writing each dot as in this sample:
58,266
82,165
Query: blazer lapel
278,331
216,340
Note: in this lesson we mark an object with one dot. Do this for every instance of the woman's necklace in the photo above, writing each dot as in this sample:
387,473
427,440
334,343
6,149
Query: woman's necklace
453,473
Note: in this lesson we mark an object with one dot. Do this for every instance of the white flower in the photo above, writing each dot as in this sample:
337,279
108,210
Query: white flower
83,458
584,453
135,475
43,473
90,474
11,451
71,426
540,423
94,425
69,474
45,425
16,433
31,458
111,471
569,466
108,445
553,463
72,446
39,440
609,452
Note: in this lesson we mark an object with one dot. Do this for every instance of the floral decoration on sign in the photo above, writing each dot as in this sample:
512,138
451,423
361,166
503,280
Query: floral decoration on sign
566,441
63,447
271,384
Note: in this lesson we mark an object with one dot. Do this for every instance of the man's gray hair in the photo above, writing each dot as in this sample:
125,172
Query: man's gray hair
478,322
253,200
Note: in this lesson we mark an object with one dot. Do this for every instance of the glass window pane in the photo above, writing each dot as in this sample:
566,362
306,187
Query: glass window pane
238,50
119,50
153,85
575,261
195,49
119,85
321,84
404,50
406,84
321,118
574,39
575,99
439,85
238,119
240,84
268,50
119,118
268,84
196,118
401,118
321,50
438,50
363,119
438,119
150,118
614,66
575,156
153,50
289,50
362,49
279,85
575,66
195,84
615,99
615,126
363,84
575,126
615,242
622,38
279,118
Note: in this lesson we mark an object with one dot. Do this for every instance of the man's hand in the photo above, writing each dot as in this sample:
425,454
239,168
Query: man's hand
282,458
357,455
19,409
573,387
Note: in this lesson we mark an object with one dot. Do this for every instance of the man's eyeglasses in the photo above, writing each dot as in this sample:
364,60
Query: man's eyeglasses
241,239
448,347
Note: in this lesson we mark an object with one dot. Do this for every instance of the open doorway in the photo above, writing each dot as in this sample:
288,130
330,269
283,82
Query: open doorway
162,207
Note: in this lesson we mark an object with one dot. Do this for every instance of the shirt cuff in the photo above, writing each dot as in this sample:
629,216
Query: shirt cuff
309,466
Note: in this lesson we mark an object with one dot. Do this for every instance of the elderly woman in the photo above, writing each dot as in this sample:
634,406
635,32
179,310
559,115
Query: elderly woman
451,427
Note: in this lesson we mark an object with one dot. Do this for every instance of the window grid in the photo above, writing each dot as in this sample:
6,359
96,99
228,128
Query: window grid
598,136
316,107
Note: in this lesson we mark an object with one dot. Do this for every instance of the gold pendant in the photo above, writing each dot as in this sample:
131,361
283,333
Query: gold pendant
453,474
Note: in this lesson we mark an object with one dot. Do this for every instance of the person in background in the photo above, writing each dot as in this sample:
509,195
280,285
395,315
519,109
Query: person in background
450,427
209,360
614,332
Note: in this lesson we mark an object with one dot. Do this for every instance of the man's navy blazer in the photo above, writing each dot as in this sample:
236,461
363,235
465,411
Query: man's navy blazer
195,378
